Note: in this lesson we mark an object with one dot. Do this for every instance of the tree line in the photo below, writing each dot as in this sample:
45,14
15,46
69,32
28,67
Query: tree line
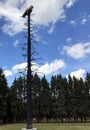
60,100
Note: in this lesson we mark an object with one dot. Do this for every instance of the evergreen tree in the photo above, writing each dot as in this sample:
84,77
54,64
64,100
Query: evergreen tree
63,99
53,96
87,96
36,93
77,99
45,98
3,97
18,102
60,97
69,98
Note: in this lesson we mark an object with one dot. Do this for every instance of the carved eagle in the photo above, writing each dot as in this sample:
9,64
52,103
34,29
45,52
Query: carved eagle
28,11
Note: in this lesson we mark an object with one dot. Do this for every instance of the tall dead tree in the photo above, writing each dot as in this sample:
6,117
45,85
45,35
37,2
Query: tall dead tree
29,71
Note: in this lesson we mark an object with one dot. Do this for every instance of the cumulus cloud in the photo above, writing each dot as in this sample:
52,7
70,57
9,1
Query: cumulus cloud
19,67
15,69
77,51
47,11
78,73
46,69
49,68
14,23
8,73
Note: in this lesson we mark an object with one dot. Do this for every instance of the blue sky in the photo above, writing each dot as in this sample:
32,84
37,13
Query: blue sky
62,30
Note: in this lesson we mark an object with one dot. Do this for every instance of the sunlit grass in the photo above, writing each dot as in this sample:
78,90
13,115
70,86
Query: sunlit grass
49,126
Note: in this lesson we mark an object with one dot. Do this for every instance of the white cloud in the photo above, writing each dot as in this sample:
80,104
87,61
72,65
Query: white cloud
47,11
83,21
8,73
68,39
78,74
72,22
49,68
70,3
50,31
15,44
13,28
15,69
78,51
46,69
19,67
14,23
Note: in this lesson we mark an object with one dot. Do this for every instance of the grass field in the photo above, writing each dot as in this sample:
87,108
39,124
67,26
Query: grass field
49,126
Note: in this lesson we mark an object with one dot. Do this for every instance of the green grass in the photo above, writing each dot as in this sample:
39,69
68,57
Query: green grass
49,126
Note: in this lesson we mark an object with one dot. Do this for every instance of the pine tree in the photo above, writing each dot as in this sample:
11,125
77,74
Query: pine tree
36,93
18,102
3,97
69,98
60,97
87,96
45,98
53,96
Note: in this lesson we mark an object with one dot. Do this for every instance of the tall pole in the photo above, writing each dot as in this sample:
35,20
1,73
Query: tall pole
29,81
29,72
